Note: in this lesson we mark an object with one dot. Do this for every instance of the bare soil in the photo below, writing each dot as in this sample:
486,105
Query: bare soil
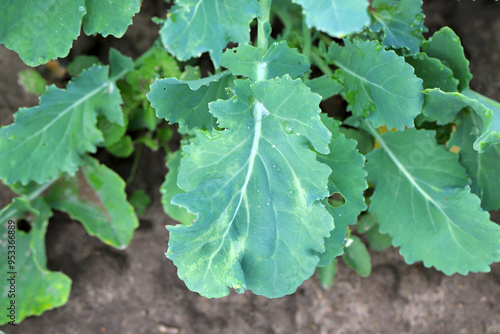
137,290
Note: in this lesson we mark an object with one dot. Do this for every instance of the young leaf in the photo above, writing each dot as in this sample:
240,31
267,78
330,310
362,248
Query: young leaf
377,240
186,102
357,257
402,22
32,81
51,138
444,107
193,27
81,63
169,189
445,46
327,274
325,86
378,84
109,17
140,201
337,18
483,168
96,197
422,194
347,179
37,288
251,62
48,28
433,73
255,188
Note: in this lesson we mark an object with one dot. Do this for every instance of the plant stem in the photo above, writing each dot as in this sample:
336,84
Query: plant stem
321,64
306,45
262,39
135,164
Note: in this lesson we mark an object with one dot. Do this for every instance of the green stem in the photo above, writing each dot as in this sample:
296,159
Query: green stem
321,63
262,40
306,45
133,171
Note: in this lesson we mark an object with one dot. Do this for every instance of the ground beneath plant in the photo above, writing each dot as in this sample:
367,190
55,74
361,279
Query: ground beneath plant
137,290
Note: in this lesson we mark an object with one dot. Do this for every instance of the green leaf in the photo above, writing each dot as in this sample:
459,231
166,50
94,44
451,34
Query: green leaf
327,274
325,86
51,138
444,107
278,60
255,187
32,81
377,240
378,83
357,257
422,194
490,133
337,18
40,30
109,17
37,289
445,46
348,180
96,197
483,168
140,201
81,63
169,189
194,27
364,140
402,21
122,148
433,73
186,102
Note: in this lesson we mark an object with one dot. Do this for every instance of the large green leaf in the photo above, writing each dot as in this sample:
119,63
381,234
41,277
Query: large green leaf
402,21
483,168
444,107
197,26
433,73
51,138
338,18
42,30
37,289
169,189
445,45
255,187
96,197
277,61
348,180
423,201
186,102
109,17
378,84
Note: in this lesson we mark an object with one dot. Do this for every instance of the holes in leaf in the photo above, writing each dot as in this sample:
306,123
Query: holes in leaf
336,200
23,225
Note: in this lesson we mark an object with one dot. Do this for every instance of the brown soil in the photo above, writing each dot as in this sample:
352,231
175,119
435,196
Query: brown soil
137,290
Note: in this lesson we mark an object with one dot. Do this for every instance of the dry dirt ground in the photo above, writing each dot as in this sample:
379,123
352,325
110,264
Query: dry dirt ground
137,290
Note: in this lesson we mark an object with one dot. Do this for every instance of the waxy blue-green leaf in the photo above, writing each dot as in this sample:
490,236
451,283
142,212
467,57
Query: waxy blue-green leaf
325,86
433,73
378,84
445,45
444,107
422,193
42,30
169,189
255,187
278,60
186,102
196,26
483,168
338,18
402,21
49,139
37,289
96,197
109,17
348,180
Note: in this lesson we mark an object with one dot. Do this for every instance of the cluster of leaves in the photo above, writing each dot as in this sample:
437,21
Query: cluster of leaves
268,188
